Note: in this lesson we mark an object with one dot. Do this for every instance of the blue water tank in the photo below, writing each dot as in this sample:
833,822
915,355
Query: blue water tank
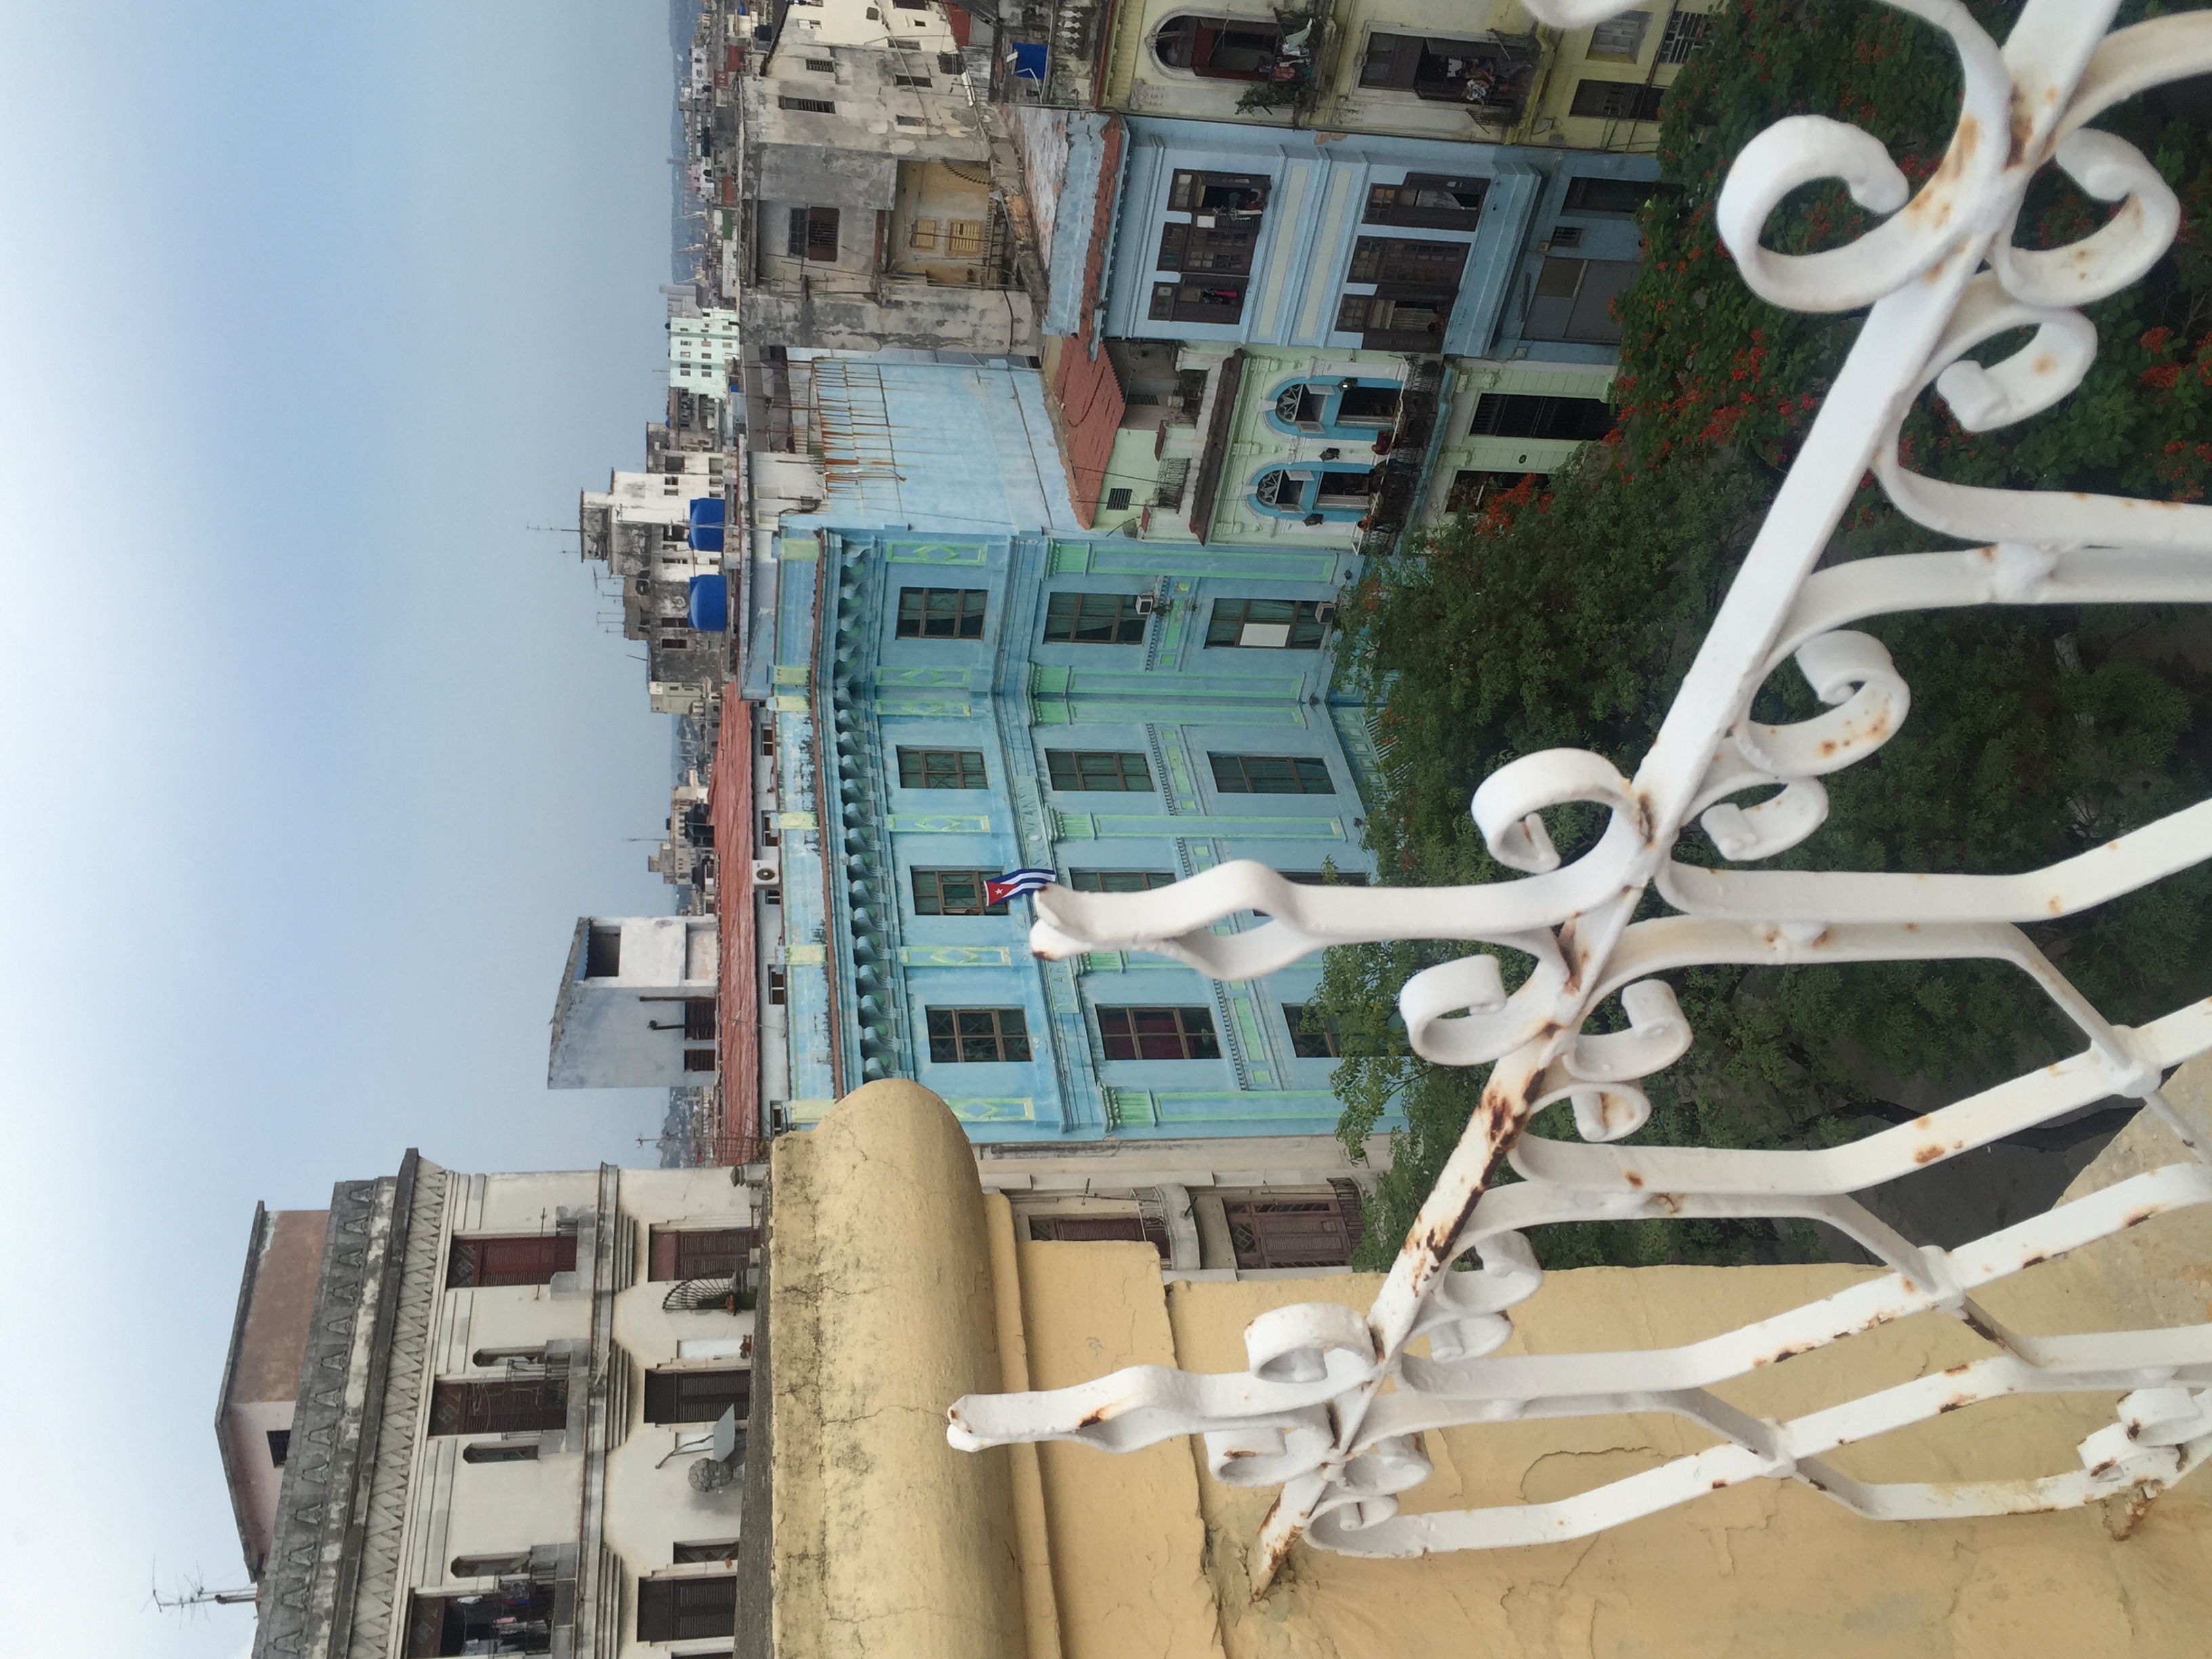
710,604
707,513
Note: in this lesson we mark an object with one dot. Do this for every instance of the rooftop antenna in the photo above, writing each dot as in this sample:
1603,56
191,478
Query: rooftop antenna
195,1595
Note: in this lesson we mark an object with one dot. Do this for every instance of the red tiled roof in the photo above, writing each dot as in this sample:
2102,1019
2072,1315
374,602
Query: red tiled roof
1086,396
730,802
1091,406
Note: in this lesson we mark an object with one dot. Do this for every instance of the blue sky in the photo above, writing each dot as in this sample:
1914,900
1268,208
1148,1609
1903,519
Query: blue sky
311,750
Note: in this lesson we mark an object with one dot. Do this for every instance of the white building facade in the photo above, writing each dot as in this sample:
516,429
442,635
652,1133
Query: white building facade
518,1426
636,1005
703,350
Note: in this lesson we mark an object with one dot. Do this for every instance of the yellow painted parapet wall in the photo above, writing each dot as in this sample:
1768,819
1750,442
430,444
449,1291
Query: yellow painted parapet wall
887,1541
896,1286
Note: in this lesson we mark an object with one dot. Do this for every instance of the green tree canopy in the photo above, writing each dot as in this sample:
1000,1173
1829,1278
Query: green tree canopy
1566,611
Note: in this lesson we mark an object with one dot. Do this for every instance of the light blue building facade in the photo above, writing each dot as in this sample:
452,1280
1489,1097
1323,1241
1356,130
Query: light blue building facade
947,702
1263,236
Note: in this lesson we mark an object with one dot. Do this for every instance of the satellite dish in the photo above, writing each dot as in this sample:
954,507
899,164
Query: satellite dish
729,1439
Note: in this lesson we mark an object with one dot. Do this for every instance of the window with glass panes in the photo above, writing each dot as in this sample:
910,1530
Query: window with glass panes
1159,1034
1525,414
1119,881
1097,768
1313,1036
1281,624
953,893
1219,300
974,1036
1617,101
941,769
1093,619
1271,774
941,613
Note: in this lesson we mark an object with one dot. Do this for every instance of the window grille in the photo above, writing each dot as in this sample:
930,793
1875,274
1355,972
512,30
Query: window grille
528,1259
1685,32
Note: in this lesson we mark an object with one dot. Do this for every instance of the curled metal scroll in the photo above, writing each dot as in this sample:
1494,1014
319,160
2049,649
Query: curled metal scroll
1334,1407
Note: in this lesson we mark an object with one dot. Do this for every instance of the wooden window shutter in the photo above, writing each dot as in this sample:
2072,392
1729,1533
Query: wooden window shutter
501,1405
1393,60
696,1396
656,1610
532,1258
712,1254
701,1252
686,1609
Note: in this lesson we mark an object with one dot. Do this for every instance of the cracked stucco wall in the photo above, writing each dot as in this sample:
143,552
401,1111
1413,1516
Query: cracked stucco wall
1146,1554
886,1542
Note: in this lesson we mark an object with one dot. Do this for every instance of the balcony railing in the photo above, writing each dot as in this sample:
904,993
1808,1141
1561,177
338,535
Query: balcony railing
1332,1407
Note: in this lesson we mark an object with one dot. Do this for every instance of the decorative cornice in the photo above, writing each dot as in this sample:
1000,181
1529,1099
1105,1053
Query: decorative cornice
332,1577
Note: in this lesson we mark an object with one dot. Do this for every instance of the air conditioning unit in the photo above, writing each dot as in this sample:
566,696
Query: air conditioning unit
1325,612
765,873
1147,603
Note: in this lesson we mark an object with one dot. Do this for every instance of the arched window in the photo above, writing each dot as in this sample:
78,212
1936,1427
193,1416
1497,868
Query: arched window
1221,48
1334,406
1317,492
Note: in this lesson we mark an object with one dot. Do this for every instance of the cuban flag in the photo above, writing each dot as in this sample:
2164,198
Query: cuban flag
998,890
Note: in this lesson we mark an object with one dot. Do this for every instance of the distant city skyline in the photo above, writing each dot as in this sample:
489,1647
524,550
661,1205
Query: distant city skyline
309,316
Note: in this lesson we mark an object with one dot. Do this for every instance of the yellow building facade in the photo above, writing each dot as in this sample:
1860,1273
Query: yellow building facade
896,1286
1481,72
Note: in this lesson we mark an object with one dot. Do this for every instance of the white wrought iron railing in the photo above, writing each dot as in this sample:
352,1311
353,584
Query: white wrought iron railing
1942,276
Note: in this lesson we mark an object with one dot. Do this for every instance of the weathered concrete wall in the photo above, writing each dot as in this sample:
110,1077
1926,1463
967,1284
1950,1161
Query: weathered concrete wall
912,317
887,1541
263,1378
